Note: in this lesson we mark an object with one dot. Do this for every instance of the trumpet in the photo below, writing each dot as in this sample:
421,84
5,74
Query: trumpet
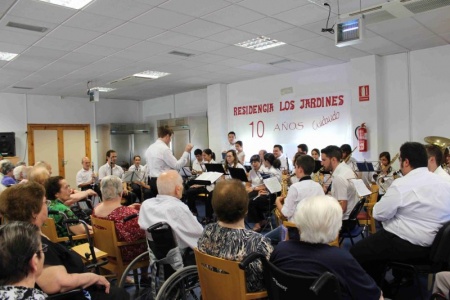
349,156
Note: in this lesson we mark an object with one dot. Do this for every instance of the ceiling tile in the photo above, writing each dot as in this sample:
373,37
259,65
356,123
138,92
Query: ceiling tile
303,15
400,29
96,50
293,35
211,67
13,48
42,11
231,36
118,9
173,38
314,58
421,43
136,31
150,48
74,34
85,20
195,8
233,16
200,28
58,44
233,62
315,43
233,51
114,41
270,7
26,63
437,20
259,56
19,38
204,45
265,26
283,50
379,45
162,18
40,52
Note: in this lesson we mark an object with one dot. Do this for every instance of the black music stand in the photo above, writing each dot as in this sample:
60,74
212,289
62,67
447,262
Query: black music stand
238,173
215,168
365,167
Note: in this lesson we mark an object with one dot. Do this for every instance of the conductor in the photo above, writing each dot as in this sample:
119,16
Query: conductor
161,159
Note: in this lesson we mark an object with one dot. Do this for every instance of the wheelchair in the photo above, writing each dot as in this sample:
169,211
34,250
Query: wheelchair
169,278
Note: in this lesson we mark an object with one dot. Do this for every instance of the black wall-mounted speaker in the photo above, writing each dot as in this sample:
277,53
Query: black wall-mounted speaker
8,143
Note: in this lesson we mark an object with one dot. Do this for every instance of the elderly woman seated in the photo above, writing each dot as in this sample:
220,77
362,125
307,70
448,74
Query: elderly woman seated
21,261
63,269
228,238
111,209
319,220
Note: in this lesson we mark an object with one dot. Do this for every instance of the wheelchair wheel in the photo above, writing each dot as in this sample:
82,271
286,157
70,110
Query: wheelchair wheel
183,284
136,289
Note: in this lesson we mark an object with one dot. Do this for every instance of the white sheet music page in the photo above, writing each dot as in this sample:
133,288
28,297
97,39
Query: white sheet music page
273,185
360,187
210,176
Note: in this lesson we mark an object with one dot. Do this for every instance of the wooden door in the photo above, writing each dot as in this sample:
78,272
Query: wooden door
63,146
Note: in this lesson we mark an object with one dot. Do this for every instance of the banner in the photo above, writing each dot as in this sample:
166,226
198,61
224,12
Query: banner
315,120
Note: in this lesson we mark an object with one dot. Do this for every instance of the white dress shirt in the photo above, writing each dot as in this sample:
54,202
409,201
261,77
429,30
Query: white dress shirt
171,210
196,166
303,189
441,172
143,173
274,172
241,156
160,159
342,189
415,206
84,176
255,176
284,163
105,170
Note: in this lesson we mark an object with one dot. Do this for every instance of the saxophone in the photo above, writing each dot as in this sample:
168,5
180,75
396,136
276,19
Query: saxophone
285,180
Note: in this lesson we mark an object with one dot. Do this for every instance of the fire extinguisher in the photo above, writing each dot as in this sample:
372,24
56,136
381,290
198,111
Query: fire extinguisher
361,136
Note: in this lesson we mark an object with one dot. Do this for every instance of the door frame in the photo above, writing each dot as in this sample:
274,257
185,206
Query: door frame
60,136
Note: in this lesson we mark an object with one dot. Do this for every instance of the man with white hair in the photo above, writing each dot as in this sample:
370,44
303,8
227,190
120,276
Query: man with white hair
167,207
319,220
20,173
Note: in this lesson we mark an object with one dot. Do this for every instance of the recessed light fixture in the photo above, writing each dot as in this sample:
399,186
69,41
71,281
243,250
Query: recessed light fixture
103,89
260,43
151,74
7,56
75,4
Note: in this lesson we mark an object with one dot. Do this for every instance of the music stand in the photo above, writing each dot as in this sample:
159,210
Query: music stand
215,168
185,172
365,167
238,173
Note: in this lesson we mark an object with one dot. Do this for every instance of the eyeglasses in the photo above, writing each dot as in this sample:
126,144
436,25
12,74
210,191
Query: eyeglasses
44,248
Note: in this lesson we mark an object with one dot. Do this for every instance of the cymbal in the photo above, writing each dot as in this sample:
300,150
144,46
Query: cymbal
438,141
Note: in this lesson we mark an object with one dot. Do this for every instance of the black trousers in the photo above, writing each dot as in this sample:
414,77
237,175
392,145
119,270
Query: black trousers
258,207
191,195
153,187
375,251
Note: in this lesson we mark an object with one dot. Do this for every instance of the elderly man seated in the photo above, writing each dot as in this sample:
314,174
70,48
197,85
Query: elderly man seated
319,220
167,207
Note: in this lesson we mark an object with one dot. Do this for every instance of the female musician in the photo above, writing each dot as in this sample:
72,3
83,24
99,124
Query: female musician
272,165
315,153
194,190
240,152
232,161
384,170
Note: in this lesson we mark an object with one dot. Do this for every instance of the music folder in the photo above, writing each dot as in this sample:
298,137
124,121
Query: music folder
207,178
365,167
238,173
215,168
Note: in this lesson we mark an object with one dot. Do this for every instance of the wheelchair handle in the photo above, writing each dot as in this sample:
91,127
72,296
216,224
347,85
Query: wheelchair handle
250,258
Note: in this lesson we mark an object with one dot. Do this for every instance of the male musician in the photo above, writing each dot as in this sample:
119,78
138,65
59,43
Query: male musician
412,211
111,168
160,158
350,161
231,142
197,163
435,159
167,207
85,177
302,148
261,154
341,188
139,184
304,188
285,162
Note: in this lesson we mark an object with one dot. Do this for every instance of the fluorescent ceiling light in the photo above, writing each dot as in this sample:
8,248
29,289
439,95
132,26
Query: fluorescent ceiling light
350,29
151,74
7,56
76,4
260,43
103,89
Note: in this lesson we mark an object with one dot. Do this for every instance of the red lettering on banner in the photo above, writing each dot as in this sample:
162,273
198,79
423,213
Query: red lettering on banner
319,102
253,109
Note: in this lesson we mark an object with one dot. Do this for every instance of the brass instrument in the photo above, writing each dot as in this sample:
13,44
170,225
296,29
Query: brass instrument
382,179
318,176
285,180
350,155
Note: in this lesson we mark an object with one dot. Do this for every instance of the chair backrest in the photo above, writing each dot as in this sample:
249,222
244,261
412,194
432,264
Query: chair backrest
356,209
49,229
222,279
284,286
440,249
105,237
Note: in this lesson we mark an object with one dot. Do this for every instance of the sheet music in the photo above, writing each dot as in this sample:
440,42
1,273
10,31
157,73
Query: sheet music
209,176
272,184
360,187
185,172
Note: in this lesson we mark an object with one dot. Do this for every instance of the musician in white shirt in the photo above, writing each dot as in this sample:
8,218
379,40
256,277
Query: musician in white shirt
85,177
197,163
140,182
435,159
286,164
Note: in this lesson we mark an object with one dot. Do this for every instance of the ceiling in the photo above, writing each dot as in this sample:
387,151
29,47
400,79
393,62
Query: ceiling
112,39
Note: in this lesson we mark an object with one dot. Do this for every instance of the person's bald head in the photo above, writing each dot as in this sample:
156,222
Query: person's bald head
86,162
170,183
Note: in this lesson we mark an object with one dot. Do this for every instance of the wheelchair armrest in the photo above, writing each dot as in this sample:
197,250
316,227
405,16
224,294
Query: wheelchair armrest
98,264
250,258
67,295
154,226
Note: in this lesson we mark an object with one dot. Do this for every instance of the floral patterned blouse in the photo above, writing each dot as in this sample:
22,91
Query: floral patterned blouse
128,231
10,292
236,244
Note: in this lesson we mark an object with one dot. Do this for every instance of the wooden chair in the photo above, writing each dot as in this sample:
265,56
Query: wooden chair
49,229
292,226
222,279
365,218
105,239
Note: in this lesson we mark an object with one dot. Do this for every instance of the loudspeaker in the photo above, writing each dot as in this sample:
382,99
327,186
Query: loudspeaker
7,143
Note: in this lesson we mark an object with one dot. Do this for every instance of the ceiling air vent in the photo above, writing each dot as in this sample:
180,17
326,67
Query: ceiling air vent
179,53
22,87
425,5
26,27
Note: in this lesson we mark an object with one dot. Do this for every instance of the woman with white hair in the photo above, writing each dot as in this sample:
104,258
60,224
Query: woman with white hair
319,220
